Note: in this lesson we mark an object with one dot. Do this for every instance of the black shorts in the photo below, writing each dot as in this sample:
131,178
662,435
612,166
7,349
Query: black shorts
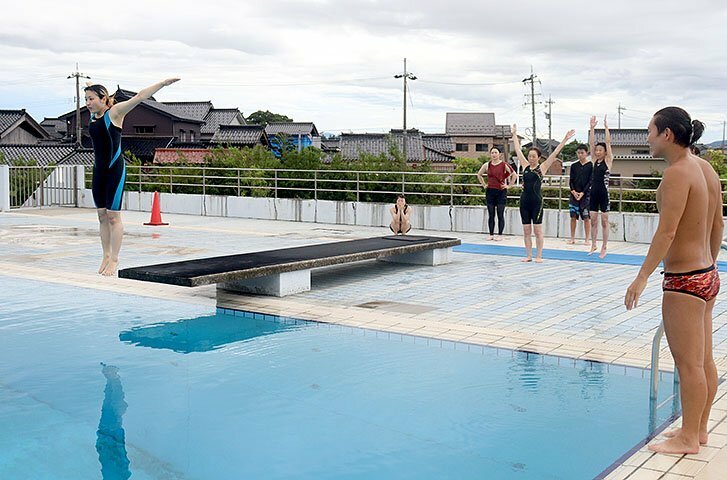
531,212
496,196
600,201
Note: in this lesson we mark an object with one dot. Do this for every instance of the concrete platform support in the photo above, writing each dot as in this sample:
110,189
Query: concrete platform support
276,285
438,256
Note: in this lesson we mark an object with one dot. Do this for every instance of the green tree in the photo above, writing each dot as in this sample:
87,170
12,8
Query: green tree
264,117
568,154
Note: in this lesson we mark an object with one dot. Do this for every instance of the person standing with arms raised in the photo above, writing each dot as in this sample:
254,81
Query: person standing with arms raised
109,169
600,202
500,176
687,239
531,199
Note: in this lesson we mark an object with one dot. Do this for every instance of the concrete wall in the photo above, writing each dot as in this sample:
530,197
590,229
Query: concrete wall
632,227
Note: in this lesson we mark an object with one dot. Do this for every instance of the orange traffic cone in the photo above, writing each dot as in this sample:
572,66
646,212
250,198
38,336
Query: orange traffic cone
156,212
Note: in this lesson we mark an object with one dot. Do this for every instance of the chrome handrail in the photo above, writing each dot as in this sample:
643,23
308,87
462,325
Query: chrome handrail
653,396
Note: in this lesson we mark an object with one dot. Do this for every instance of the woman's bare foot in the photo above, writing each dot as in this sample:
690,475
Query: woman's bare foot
491,237
498,238
110,269
674,445
603,253
570,242
703,436
585,242
594,247
528,259
104,263
538,260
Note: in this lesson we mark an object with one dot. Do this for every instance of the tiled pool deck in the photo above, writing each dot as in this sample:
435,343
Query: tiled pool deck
570,309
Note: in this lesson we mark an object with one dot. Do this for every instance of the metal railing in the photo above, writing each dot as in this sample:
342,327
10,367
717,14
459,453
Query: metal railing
438,188
40,186
33,186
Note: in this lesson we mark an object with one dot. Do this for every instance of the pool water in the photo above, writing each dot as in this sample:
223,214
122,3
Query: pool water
102,385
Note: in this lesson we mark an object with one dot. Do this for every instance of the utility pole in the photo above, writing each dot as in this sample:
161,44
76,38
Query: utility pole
78,76
620,109
549,116
531,80
406,76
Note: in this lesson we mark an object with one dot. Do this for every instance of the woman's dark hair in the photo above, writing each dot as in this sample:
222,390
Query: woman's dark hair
602,144
102,93
686,131
400,196
495,147
583,147
536,150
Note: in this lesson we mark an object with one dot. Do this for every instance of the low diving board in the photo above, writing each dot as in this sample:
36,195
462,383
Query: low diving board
286,271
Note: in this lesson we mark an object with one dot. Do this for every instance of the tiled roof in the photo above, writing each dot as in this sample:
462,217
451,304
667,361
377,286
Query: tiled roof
9,117
331,144
144,146
354,144
240,135
55,127
42,155
470,123
436,156
195,110
440,142
633,137
178,155
221,116
80,157
291,128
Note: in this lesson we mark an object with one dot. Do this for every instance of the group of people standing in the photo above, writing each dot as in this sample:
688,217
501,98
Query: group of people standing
589,197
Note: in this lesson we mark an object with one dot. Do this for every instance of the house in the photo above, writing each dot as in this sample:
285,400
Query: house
180,155
421,148
154,124
17,127
631,154
298,135
240,136
474,134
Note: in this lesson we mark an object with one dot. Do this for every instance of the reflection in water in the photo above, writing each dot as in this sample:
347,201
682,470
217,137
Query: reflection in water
110,438
201,334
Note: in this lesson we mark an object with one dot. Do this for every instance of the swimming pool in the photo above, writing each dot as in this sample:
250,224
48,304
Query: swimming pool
94,382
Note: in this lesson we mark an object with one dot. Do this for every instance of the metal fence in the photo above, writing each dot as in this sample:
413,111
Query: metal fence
32,186
42,186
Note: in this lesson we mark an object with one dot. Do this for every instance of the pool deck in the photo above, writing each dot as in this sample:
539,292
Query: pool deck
566,308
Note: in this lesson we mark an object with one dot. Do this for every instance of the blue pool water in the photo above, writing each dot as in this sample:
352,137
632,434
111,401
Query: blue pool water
101,385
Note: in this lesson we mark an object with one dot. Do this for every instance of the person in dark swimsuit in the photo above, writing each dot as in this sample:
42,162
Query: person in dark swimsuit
531,198
400,213
688,240
600,203
109,170
579,200
500,176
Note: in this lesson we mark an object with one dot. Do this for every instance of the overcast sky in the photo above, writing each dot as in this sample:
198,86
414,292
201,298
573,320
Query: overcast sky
332,62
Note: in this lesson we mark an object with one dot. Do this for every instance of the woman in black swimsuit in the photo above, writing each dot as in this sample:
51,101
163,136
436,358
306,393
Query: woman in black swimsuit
531,199
400,213
600,203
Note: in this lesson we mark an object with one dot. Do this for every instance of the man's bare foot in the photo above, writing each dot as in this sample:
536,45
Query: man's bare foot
104,263
110,269
491,237
703,436
538,260
528,259
594,247
498,238
570,242
674,445
603,253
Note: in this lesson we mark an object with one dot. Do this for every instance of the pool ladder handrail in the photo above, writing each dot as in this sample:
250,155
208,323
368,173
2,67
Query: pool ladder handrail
655,348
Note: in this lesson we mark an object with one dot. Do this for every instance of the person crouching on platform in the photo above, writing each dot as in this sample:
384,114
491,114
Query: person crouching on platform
400,214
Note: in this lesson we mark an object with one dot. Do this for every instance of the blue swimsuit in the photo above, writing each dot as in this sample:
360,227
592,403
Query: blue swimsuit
109,169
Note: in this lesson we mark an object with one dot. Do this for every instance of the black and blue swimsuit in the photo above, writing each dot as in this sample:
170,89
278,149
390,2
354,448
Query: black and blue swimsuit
531,198
109,169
